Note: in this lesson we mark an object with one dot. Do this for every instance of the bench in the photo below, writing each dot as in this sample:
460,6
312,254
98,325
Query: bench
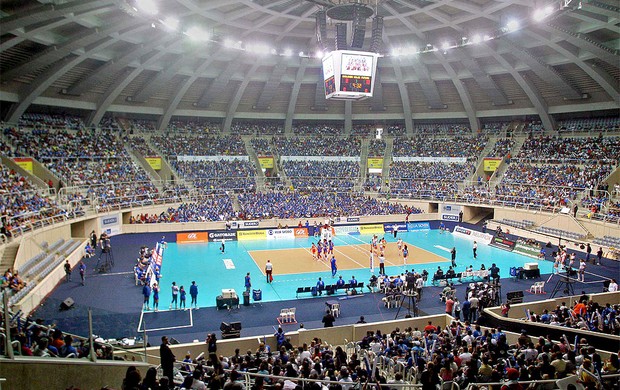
330,289
446,278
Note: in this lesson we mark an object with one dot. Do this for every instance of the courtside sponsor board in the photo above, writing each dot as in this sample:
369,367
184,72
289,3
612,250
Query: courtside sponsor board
350,229
527,250
219,235
472,234
192,238
247,224
110,224
251,235
419,226
371,229
450,217
265,162
503,243
353,219
277,234
389,227
300,232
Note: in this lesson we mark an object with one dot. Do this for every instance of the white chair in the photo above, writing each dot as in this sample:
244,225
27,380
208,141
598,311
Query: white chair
537,288
284,315
335,309
291,314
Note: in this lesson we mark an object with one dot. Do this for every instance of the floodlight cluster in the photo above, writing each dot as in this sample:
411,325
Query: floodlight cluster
149,9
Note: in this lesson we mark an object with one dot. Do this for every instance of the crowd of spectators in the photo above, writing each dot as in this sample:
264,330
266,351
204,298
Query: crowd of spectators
443,129
376,148
421,146
363,130
193,126
140,145
139,125
589,124
493,127
322,175
50,121
317,146
584,314
502,147
322,129
262,146
202,145
45,145
109,123
257,128
396,130
421,189
215,208
21,203
298,205
218,176
430,171
546,148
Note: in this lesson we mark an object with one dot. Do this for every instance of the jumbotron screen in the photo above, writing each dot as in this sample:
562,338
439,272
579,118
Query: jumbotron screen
349,75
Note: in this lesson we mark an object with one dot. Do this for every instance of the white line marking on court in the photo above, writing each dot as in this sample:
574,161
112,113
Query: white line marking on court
228,263
191,322
443,248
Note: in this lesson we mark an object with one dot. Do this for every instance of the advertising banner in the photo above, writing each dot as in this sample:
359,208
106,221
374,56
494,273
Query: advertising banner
456,160
300,232
375,163
278,234
472,234
266,162
371,229
192,238
219,235
527,250
450,212
110,224
419,226
244,224
350,229
154,162
503,243
353,219
24,163
389,227
490,164
243,235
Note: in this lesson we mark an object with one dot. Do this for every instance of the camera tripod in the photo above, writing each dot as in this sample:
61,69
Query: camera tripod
105,261
566,283
408,299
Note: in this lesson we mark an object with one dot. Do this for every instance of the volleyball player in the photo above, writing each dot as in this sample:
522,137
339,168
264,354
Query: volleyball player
319,249
331,247
313,250
405,254
399,245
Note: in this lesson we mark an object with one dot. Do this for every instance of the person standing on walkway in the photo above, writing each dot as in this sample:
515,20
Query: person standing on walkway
82,272
67,271
328,319
183,295
475,250
269,271
167,360
193,292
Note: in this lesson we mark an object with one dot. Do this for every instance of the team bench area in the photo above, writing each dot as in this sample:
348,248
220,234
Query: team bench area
331,289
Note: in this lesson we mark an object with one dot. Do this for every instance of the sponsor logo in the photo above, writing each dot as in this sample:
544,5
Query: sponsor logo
300,232
109,221
222,235
365,229
461,230
419,226
389,227
280,233
192,237
449,217
250,223
353,219
251,235
503,243
346,229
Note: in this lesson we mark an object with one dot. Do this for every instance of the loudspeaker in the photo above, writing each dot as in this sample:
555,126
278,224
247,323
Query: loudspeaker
67,304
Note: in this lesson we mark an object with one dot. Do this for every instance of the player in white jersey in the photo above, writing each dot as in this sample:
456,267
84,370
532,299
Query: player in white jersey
399,245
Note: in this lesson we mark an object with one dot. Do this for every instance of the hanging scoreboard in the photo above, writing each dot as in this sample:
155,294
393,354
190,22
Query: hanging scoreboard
349,75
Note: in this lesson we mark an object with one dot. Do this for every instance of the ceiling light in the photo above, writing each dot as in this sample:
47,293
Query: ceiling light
477,38
319,54
197,34
445,46
288,52
171,23
395,52
301,53
512,25
147,6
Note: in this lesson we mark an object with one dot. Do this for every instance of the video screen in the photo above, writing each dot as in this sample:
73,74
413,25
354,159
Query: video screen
356,73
